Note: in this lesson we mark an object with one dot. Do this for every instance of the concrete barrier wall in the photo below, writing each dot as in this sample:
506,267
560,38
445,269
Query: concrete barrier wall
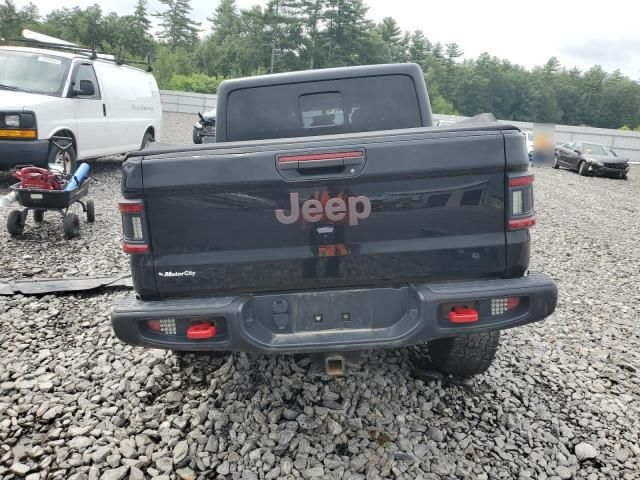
185,102
625,143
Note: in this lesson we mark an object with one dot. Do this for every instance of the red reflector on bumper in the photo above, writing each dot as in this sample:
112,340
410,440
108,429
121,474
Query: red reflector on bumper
135,248
463,315
201,331
517,224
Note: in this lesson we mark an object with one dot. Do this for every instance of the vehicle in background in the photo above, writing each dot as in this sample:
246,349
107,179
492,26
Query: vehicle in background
204,130
98,105
331,216
591,158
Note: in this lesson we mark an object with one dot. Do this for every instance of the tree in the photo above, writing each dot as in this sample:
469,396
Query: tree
178,30
348,33
10,21
311,13
225,21
391,35
140,19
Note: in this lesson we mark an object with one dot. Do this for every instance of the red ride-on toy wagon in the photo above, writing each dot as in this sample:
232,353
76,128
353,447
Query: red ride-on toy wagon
42,190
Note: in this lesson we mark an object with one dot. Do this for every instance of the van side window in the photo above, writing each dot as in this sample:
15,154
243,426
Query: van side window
85,71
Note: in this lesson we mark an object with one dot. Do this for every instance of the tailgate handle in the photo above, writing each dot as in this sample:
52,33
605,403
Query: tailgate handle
320,161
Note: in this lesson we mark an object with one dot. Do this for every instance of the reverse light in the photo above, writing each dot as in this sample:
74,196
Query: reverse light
517,202
521,214
136,227
503,305
164,325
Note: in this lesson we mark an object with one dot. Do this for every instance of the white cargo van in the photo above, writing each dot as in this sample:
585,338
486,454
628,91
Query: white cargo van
103,108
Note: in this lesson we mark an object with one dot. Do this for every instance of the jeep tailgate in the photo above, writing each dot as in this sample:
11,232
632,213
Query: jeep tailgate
418,205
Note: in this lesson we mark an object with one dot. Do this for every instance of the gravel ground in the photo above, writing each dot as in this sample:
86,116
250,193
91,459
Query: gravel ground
561,401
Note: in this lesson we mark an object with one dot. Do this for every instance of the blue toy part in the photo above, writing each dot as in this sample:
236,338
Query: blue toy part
78,177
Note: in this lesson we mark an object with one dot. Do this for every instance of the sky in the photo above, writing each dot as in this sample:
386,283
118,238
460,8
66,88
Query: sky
580,33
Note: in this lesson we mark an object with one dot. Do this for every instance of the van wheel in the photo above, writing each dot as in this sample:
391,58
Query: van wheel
15,223
71,226
583,169
147,140
465,355
64,160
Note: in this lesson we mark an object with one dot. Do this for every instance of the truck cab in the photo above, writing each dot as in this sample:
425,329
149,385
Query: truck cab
332,216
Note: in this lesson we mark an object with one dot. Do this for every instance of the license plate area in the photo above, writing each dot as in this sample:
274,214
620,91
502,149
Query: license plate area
331,311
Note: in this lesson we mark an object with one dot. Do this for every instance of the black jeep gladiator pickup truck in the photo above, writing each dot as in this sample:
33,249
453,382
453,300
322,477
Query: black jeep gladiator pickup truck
332,216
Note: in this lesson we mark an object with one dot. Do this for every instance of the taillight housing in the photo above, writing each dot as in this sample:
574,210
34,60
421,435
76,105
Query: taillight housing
134,228
520,211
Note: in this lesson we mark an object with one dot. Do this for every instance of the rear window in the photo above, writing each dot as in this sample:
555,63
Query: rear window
323,108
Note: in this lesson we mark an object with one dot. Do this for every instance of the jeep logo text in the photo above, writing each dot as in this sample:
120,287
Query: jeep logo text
352,209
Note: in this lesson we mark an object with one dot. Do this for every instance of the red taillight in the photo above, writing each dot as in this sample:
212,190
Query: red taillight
154,325
131,207
521,181
512,302
139,248
520,223
462,314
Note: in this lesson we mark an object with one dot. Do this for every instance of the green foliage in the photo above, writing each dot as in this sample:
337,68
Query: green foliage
170,62
196,82
288,35
441,105
178,30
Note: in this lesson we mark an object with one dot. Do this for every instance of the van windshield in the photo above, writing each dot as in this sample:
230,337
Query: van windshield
32,72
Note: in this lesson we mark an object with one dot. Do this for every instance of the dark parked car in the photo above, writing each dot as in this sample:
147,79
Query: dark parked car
591,158
204,130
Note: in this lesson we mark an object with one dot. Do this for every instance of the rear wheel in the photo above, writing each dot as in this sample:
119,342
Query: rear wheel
464,355
91,211
71,226
38,216
15,223
583,169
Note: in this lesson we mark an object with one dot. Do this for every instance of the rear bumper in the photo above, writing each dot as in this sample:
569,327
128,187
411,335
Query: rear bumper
23,152
377,317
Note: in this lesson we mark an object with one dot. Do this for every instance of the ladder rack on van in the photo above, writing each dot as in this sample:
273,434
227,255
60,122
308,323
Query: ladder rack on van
90,52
